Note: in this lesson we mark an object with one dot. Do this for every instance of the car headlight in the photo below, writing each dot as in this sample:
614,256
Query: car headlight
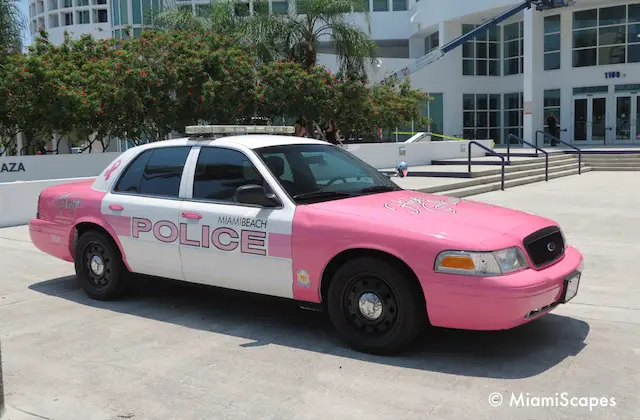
470,263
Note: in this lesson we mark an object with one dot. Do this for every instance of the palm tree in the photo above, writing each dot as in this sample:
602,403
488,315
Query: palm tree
12,25
324,22
297,34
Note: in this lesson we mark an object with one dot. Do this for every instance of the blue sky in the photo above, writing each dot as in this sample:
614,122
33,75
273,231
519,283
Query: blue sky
24,6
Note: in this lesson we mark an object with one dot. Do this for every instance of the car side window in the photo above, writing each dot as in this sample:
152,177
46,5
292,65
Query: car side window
287,174
326,166
132,176
220,171
155,172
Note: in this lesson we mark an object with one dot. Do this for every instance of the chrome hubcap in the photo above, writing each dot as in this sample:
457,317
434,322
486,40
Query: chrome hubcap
97,265
370,306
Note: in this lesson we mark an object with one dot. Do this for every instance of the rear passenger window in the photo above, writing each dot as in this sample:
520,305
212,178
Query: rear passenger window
220,172
161,174
131,177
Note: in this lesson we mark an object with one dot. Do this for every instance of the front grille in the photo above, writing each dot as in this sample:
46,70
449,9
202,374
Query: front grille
544,246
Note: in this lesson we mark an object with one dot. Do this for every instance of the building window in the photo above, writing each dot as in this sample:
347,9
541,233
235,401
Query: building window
100,16
513,48
115,13
513,117
54,21
124,12
282,7
136,12
481,116
399,5
67,3
481,55
551,106
68,19
83,17
606,36
431,42
82,3
380,5
552,42
52,5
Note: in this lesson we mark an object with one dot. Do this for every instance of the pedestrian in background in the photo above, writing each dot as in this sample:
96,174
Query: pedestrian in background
332,135
554,130
301,128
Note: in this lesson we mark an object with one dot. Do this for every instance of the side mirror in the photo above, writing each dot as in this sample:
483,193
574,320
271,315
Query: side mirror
256,195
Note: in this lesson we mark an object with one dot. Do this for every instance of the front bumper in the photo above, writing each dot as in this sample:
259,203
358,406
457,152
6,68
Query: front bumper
498,303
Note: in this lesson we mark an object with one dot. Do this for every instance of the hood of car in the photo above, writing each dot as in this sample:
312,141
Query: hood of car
440,216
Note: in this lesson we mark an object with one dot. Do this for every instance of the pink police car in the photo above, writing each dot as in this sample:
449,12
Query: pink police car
306,220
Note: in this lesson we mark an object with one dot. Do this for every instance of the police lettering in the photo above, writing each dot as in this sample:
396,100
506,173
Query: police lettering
222,238
243,222
12,167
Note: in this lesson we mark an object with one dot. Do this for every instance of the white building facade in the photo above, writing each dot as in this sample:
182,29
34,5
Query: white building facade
580,63
76,17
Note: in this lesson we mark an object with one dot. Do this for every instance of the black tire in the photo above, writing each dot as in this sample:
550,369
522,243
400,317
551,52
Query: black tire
401,313
113,281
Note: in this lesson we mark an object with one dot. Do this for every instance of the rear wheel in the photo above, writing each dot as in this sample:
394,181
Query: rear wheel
376,307
99,266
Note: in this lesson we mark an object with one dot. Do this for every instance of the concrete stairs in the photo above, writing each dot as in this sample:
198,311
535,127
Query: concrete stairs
519,172
612,162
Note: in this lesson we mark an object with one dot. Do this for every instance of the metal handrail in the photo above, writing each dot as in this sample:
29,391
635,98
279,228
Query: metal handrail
546,154
491,152
566,144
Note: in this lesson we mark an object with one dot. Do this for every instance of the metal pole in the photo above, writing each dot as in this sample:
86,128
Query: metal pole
1,387
546,167
469,153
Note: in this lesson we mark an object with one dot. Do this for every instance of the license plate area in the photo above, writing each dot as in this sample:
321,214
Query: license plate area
571,285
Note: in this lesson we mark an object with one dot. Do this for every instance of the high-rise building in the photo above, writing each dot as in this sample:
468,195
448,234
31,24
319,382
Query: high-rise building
77,17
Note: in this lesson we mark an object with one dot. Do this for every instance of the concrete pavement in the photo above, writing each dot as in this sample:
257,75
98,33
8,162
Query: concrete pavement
179,351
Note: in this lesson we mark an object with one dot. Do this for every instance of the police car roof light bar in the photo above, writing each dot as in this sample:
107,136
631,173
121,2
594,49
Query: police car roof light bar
203,130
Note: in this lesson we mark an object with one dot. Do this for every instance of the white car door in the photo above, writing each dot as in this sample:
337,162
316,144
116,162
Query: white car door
144,210
231,245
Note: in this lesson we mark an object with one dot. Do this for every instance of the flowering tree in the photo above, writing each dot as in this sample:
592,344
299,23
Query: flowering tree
363,109
88,90
289,89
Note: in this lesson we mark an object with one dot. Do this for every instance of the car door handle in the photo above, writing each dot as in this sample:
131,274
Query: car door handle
116,207
191,215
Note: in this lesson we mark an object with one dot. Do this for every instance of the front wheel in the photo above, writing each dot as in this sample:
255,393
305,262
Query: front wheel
99,266
375,306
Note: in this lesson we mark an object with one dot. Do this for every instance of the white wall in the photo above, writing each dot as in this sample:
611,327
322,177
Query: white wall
19,200
388,65
388,155
44,167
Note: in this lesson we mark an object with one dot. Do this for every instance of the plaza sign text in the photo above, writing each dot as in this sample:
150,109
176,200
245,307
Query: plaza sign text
12,167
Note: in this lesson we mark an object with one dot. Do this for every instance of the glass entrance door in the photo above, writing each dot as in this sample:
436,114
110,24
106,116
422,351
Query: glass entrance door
627,129
590,123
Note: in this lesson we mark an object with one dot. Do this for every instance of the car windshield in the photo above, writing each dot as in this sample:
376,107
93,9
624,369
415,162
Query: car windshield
317,172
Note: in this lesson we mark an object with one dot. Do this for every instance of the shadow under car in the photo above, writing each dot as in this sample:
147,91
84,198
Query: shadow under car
521,352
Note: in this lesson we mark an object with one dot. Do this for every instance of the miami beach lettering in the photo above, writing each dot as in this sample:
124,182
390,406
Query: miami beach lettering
12,167
222,238
243,222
